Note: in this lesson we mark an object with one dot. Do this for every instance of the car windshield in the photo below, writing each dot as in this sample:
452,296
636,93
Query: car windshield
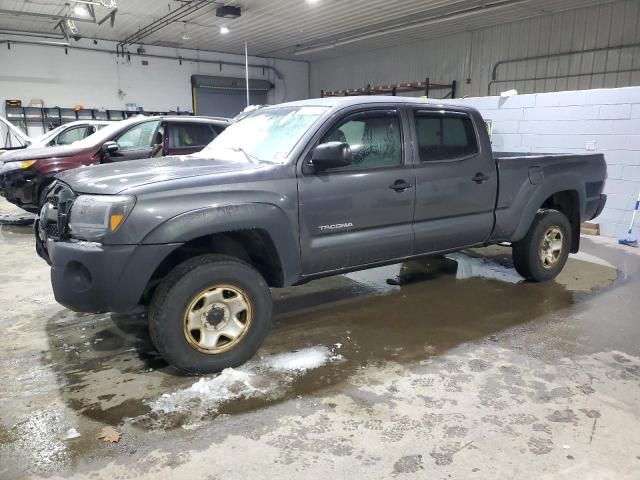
49,135
267,135
106,133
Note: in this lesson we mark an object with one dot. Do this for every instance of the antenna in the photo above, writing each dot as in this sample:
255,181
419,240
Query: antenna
246,68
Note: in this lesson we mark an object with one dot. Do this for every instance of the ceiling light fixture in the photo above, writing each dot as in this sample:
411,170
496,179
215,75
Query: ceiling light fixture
70,25
99,3
69,29
185,33
224,30
81,10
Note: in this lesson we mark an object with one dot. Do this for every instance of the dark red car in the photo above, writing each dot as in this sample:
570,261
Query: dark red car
25,174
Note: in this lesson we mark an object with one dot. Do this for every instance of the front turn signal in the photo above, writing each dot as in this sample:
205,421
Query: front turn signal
115,221
27,163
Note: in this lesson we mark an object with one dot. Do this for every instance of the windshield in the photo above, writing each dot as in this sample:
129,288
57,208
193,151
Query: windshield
107,132
11,136
268,135
49,135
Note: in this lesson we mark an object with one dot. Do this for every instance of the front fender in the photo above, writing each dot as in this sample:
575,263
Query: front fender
228,218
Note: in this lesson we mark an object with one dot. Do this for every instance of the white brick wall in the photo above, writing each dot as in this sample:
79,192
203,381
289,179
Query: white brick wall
566,122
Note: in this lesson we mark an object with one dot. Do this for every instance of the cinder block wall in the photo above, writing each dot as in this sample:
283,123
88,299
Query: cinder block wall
569,121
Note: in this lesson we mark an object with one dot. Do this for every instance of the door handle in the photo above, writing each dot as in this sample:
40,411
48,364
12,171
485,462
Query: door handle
480,178
400,185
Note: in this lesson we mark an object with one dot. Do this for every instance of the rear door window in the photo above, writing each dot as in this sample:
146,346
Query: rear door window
190,135
445,136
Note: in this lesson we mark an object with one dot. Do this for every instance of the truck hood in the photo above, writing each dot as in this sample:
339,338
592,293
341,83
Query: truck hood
40,153
117,177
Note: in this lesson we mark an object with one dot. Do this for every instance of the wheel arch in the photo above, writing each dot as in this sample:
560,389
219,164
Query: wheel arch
565,193
258,234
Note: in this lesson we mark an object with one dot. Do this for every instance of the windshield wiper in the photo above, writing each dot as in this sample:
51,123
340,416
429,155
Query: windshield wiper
248,156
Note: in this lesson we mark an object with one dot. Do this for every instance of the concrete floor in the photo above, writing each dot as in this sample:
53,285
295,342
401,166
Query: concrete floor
435,378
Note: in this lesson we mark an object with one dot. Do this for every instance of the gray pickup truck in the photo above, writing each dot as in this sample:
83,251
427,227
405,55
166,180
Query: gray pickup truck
292,193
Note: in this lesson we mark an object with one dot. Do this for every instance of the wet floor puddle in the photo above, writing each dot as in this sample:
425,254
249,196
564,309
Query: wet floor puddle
110,372
106,369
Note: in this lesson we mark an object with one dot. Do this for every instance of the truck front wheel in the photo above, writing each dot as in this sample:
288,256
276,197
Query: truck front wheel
543,252
210,313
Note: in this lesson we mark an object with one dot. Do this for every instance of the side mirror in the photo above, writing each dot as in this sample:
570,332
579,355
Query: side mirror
331,155
110,147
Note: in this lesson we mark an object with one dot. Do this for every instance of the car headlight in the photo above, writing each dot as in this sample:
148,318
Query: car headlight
94,216
13,166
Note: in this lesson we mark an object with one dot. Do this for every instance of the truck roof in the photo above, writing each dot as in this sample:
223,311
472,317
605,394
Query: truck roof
340,102
194,119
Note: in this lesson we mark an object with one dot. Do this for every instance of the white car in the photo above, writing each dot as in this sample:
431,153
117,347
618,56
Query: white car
11,137
63,135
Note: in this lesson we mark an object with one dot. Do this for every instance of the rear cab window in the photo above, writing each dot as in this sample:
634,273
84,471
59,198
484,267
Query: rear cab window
444,136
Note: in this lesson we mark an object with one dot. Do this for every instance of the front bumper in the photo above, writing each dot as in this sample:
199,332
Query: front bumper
20,187
91,277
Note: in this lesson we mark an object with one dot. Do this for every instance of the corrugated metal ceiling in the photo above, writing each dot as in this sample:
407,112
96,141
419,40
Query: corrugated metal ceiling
279,28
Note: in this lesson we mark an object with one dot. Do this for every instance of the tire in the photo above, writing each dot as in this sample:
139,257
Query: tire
529,256
189,344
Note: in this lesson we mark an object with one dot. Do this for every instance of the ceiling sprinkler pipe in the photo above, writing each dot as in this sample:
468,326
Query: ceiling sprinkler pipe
494,70
149,55
52,36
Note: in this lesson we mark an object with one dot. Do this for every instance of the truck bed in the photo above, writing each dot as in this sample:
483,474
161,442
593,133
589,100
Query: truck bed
526,177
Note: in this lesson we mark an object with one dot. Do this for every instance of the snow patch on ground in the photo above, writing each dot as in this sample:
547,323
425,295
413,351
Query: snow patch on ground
228,385
469,267
300,361
268,377
71,434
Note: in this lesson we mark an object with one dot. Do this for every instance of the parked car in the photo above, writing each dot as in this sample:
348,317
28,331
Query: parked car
62,135
11,137
25,174
297,192
68,133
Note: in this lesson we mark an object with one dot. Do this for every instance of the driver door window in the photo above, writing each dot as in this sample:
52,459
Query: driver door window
374,139
139,137
70,136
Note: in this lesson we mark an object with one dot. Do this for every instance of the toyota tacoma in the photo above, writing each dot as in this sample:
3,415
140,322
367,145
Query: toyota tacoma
296,192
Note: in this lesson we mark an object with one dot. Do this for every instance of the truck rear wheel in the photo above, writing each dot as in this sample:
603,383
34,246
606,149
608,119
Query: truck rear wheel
543,252
210,313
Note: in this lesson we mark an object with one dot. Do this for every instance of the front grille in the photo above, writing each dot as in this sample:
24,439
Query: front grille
52,230
54,213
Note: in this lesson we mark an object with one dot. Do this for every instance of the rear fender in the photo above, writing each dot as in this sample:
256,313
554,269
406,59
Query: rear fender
515,221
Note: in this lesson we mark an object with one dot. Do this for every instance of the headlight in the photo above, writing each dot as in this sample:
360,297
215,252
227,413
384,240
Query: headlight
13,166
94,216
27,163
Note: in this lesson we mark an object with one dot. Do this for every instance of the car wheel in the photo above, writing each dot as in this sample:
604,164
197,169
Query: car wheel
543,252
210,313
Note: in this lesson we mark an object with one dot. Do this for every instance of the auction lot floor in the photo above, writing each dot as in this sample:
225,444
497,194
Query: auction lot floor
436,377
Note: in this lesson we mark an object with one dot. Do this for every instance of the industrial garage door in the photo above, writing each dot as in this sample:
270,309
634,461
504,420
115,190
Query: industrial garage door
226,96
